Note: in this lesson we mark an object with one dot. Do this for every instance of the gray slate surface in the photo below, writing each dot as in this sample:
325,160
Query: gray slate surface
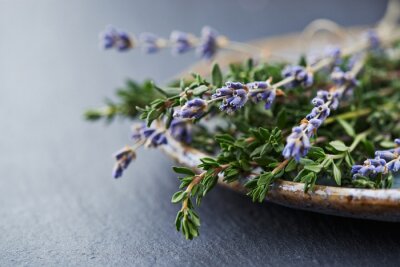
58,203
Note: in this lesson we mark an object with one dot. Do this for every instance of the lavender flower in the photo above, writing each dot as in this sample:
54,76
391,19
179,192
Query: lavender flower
142,133
297,144
267,94
194,108
300,75
181,130
118,39
124,158
371,167
181,42
158,139
150,42
234,96
208,44
340,78
385,161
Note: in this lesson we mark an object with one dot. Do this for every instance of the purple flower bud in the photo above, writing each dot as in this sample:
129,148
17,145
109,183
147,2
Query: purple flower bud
259,85
297,144
237,101
268,95
124,158
224,91
384,161
113,38
208,44
194,108
385,154
394,166
317,101
149,42
141,131
181,42
235,85
312,126
300,74
181,131
355,168
158,139
341,78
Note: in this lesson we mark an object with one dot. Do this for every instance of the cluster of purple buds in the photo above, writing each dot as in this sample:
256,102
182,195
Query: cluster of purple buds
301,76
208,46
267,94
123,158
323,103
385,161
152,137
234,96
341,78
151,43
181,130
181,42
194,108
297,143
118,39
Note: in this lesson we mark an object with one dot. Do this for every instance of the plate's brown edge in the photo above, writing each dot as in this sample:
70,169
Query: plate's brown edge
376,204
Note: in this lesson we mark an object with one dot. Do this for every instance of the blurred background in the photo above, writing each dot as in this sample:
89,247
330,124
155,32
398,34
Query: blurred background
58,202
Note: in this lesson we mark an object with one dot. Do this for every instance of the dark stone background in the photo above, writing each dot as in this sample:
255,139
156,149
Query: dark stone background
58,203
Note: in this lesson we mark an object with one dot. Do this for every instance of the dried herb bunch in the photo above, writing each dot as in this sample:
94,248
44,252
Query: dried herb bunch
313,123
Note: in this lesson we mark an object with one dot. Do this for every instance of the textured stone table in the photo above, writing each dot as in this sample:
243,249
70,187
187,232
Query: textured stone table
58,203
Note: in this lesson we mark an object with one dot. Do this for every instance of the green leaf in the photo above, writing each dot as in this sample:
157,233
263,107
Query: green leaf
200,90
339,146
347,127
178,196
316,152
291,166
281,118
387,144
154,114
216,75
337,174
313,167
184,170
305,161
178,220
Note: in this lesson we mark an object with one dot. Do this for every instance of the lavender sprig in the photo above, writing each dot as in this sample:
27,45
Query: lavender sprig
206,45
385,162
149,137
298,142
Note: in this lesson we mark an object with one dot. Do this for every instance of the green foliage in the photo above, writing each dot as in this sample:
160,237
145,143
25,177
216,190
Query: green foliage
128,98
